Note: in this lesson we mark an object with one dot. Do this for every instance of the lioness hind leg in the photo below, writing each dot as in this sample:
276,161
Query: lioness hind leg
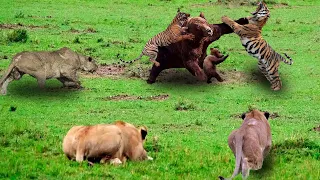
115,161
14,75
5,85
245,168
67,83
41,81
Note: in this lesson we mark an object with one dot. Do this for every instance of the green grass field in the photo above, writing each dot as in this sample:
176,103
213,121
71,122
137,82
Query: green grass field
192,143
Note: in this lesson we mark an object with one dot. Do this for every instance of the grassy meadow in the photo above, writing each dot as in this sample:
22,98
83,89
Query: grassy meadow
191,120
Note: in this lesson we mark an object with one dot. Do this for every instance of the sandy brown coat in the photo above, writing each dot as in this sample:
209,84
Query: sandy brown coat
251,142
104,142
62,64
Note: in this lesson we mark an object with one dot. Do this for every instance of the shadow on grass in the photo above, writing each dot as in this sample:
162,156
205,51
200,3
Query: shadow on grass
178,77
257,76
288,151
28,88
267,167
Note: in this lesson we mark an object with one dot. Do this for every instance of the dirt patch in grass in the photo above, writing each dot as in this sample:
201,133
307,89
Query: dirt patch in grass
19,26
233,76
184,77
125,97
88,30
111,70
175,75
317,128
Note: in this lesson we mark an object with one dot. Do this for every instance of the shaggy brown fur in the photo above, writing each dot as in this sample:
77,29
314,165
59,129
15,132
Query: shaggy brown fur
106,143
210,63
190,54
250,143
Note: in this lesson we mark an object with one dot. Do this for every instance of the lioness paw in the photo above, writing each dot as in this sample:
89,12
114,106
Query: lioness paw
150,158
115,161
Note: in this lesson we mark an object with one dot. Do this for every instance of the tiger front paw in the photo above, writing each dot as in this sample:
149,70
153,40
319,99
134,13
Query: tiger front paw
225,19
184,30
190,37
157,64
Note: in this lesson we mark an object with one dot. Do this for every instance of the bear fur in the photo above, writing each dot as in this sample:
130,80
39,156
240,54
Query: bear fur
190,54
210,63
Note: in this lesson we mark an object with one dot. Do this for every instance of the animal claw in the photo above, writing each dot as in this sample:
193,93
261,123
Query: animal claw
157,64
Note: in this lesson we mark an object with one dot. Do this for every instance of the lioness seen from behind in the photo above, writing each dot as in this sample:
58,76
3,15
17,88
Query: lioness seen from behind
250,143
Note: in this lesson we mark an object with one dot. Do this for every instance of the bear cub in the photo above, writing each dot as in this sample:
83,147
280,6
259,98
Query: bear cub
210,62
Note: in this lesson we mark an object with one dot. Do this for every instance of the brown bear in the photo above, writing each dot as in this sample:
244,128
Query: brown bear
210,62
190,54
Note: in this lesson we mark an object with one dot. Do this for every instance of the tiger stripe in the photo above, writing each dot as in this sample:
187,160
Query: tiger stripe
256,46
171,35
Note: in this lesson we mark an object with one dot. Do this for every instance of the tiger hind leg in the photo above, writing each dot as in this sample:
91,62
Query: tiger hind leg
263,70
155,62
276,86
275,80
153,54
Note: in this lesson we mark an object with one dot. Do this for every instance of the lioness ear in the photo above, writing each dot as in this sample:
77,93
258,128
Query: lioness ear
267,114
90,59
143,132
243,116
202,15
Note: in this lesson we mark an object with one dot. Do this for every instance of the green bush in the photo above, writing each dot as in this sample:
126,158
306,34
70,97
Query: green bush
18,35
184,106
76,40
19,15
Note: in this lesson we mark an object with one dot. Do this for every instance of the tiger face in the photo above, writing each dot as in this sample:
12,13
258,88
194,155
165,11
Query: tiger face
182,18
262,11
260,16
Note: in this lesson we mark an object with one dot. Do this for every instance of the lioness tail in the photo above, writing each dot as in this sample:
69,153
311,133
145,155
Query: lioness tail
238,158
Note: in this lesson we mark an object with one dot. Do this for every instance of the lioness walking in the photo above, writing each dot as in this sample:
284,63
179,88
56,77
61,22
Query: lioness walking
61,64
250,143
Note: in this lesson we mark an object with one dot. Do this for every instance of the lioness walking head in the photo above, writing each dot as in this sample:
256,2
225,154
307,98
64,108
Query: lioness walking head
250,143
112,143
